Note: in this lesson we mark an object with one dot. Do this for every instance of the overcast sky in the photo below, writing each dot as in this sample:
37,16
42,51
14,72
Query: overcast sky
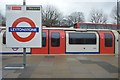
67,6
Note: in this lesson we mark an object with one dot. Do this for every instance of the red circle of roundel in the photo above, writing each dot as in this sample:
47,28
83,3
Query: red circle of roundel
29,21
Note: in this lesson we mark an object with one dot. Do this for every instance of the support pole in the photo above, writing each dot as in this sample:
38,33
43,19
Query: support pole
118,16
24,2
24,57
24,49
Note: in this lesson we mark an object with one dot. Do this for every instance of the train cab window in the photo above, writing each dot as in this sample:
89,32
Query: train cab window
43,39
82,38
4,37
55,41
108,40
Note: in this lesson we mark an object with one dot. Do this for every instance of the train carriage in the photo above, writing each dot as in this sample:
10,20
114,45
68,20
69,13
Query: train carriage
71,41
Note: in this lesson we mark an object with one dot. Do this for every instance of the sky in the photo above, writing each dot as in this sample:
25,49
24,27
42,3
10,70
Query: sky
67,6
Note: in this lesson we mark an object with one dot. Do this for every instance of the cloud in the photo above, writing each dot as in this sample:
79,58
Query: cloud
67,6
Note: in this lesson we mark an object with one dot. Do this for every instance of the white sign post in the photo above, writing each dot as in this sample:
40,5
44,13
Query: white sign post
23,27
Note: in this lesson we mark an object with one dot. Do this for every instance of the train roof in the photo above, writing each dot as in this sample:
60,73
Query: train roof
66,29
108,24
76,29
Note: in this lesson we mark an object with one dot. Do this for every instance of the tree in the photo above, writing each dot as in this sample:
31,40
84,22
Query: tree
64,22
2,20
50,15
76,17
97,16
115,14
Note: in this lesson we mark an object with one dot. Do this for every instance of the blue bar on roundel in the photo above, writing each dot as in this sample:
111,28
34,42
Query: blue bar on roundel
23,29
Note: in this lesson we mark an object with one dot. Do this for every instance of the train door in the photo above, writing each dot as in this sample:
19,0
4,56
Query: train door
106,42
57,42
119,42
0,42
44,49
53,42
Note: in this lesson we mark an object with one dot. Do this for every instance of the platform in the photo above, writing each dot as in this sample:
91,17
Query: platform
63,66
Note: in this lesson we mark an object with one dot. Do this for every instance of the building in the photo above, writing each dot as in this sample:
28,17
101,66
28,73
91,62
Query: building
96,26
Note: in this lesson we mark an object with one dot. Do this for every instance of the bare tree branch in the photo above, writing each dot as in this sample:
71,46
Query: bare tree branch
50,15
77,17
2,20
72,18
97,16
115,13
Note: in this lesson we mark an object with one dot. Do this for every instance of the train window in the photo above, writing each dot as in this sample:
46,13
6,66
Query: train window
43,39
82,38
119,32
108,40
55,41
4,37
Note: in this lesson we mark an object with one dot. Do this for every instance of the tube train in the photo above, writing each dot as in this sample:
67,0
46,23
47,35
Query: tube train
70,41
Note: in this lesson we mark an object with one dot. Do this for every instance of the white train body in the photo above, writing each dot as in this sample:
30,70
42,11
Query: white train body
70,41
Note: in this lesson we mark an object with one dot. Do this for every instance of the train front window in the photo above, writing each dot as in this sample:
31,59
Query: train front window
55,41
82,38
4,37
108,40
43,39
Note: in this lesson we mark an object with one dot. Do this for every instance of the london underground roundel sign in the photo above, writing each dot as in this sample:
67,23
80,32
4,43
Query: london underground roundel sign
23,26
27,20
